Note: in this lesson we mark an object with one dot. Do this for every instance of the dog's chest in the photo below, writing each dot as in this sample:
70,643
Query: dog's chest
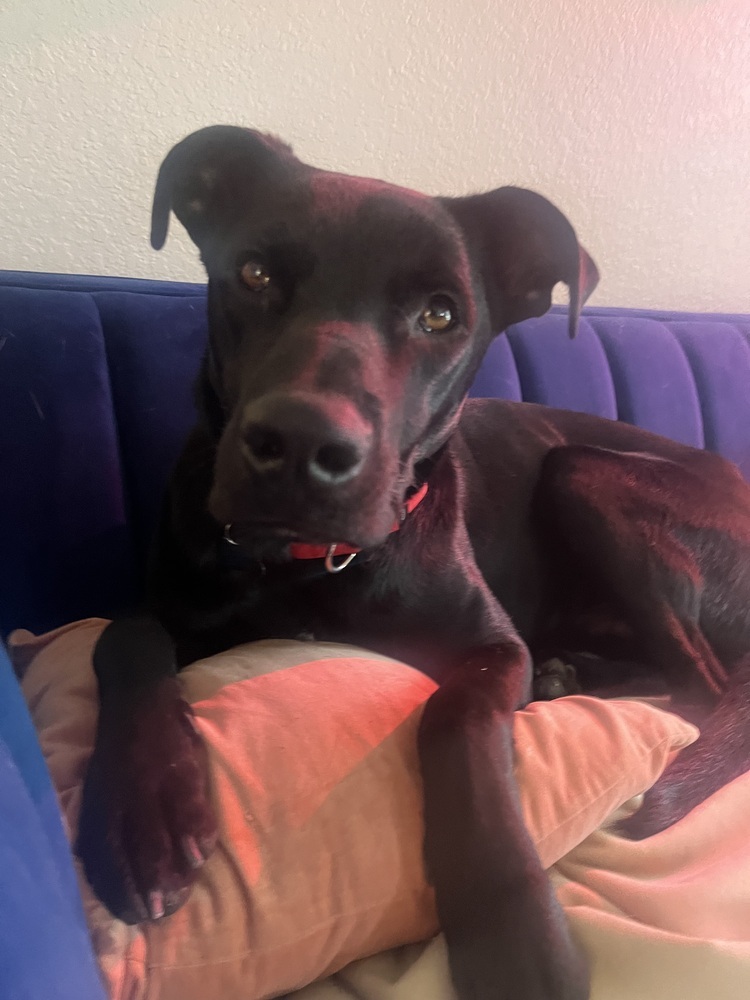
394,610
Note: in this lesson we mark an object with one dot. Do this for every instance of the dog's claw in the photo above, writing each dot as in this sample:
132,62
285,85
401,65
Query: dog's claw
156,908
189,720
194,856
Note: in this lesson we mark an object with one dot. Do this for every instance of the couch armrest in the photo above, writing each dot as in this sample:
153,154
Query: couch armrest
44,948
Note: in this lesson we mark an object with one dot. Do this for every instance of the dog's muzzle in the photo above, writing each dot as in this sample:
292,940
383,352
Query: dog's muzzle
329,553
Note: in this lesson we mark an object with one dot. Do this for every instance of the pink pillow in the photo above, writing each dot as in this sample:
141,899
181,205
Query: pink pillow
319,797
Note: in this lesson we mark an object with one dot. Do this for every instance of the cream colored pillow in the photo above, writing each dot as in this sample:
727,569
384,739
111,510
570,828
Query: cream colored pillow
318,793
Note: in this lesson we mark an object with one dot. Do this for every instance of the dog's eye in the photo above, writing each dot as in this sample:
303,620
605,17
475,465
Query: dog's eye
255,276
439,316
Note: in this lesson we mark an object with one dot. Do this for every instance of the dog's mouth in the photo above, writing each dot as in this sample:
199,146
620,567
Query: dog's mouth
364,527
266,519
274,538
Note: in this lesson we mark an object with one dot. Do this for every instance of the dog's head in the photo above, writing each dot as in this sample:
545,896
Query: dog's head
347,319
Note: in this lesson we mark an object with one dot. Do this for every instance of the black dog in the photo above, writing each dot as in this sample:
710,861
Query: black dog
347,320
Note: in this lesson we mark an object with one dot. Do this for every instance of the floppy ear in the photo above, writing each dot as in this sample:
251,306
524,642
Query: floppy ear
203,177
523,246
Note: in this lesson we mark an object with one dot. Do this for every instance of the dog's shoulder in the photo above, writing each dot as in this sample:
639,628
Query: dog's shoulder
502,426
499,446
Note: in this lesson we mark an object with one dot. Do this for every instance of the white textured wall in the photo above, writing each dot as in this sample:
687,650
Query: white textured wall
634,115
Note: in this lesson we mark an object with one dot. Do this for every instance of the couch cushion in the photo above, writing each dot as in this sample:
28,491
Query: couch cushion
315,779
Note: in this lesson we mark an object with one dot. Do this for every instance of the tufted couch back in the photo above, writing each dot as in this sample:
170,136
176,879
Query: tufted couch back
95,400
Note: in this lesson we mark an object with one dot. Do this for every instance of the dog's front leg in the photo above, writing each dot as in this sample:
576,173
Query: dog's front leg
146,823
507,936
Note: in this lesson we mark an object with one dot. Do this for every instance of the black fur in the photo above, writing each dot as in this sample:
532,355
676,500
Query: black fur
326,399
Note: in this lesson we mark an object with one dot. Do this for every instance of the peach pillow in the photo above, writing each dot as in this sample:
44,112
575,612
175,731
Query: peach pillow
318,792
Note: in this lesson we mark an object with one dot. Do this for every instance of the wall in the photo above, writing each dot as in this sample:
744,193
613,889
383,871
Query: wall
633,115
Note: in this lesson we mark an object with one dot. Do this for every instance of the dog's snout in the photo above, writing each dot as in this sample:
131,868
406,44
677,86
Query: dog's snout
323,440
265,447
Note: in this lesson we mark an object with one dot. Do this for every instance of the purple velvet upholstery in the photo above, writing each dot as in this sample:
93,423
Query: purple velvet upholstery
95,400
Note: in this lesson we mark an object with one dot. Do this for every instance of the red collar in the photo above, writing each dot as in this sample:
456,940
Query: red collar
301,550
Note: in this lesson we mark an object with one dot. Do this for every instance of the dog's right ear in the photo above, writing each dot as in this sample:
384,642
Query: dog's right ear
203,178
523,245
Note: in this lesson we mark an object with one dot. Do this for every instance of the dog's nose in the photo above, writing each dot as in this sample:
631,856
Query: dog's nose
324,439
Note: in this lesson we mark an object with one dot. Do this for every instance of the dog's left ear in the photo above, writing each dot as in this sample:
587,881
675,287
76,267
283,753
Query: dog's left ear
523,246
206,176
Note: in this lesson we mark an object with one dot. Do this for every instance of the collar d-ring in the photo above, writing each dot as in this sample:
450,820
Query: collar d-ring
228,536
331,566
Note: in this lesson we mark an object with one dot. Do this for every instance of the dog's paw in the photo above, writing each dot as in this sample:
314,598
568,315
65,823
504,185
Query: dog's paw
477,976
663,806
554,679
516,948
147,824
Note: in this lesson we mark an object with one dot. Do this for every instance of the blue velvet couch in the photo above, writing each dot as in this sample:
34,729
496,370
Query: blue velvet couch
95,398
